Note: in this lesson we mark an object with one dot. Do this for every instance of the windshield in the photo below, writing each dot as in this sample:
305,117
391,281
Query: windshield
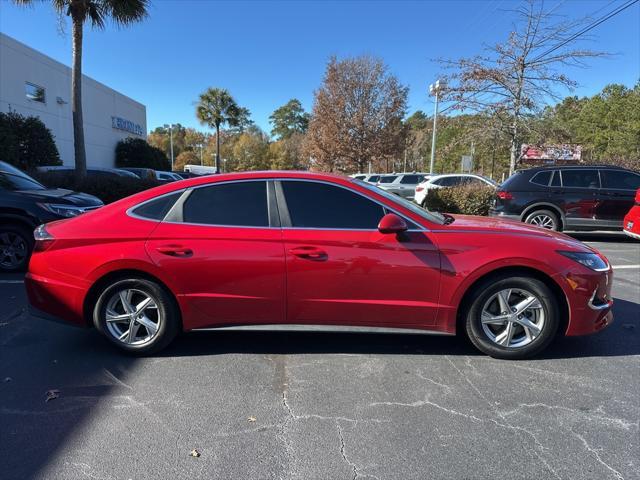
434,217
10,181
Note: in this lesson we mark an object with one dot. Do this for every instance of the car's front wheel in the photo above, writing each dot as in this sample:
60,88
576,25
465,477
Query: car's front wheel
137,315
512,317
16,243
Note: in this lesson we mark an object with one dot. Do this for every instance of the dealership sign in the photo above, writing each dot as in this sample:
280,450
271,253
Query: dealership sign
551,153
126,125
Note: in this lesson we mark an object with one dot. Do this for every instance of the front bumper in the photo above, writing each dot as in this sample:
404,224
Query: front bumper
590,301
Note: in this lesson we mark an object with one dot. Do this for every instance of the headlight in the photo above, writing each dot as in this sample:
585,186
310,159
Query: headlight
63,210
590,260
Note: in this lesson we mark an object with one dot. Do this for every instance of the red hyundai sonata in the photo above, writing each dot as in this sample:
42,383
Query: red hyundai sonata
266,248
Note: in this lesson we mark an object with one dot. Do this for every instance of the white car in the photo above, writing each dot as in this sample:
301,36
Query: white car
402,184
449,180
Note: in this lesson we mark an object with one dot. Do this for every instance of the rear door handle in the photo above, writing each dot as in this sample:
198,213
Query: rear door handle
175,250
310,253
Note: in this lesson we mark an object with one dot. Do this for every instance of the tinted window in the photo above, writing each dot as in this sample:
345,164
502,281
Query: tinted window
374,178
447,181
542,178
9,181
242,204
388,179
318,205
360,177
619,179
580,178
157,209
411,179
555,181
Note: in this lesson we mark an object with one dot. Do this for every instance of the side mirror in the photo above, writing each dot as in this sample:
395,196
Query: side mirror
392,223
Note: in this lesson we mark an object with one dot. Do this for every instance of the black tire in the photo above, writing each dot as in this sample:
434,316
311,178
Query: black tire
544,219
20,240
490,287
167,310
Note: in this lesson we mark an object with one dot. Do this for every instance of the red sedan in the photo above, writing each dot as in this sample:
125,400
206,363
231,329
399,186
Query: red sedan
631,223
302,248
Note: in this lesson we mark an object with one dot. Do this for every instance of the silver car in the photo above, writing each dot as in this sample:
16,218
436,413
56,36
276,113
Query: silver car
402,184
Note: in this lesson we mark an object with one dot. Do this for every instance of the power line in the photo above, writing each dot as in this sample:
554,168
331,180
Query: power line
586,29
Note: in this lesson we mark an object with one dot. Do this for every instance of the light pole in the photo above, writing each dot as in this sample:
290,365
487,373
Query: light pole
201,155
170,127
434,89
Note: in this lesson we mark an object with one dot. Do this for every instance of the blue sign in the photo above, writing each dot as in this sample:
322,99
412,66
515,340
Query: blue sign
126,125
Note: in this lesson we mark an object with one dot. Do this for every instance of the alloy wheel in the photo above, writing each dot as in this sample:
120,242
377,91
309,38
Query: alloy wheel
513,318
132,316
544,221
13,250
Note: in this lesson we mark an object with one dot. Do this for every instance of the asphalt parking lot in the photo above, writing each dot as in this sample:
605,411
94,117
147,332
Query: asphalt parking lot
310,405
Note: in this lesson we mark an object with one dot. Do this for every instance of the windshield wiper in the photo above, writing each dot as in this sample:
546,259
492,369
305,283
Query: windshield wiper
448,219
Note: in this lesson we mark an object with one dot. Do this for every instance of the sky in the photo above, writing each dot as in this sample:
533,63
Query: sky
267,52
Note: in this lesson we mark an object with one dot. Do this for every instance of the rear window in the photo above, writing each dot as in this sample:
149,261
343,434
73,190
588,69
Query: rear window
158,208
411,179
542,178
388,179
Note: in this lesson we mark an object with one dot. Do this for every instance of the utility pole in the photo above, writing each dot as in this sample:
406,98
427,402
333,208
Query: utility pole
434,89
171,143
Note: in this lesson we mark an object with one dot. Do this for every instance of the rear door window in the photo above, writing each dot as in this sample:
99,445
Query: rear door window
579,178
241,204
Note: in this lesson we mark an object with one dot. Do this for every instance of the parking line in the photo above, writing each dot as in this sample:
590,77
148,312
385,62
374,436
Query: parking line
625,267
11,281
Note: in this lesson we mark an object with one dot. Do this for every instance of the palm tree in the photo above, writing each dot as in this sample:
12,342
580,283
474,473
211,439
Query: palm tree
122,13
217,107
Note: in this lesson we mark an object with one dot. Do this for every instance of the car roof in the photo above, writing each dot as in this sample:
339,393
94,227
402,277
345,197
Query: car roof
572,167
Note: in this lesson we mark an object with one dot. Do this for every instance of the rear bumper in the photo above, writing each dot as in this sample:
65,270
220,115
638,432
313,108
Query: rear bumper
54,300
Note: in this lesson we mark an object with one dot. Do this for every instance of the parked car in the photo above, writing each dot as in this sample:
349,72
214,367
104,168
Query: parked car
403,184
448,180
25,204
631,223
184,175
578,197
143,173
96,172
165,177
306,248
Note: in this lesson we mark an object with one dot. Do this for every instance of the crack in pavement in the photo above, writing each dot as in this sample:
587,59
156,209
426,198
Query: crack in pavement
344,455
612,421
617,474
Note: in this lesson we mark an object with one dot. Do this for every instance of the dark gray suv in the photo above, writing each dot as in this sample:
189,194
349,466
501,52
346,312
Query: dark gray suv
572,197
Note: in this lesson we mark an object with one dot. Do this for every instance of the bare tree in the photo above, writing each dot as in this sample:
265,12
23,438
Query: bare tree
514,79
357,115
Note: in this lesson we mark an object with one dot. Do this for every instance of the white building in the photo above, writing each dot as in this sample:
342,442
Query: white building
33,84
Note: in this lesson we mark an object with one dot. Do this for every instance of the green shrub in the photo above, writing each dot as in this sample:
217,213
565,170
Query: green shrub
467,200
26,142
136,152
106,189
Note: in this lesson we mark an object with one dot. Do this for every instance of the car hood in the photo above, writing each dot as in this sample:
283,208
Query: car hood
496,225
61,195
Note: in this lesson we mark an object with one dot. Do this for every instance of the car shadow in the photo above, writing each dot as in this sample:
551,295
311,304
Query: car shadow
619,339
616,237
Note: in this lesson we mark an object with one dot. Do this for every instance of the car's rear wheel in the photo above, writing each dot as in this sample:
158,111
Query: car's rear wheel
137,315
16,244
512,317
544,219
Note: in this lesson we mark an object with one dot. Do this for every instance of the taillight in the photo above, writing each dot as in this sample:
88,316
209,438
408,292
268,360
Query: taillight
419,189
43,238
502,195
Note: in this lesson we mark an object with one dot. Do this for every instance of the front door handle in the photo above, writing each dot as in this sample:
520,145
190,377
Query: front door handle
175,250
310,253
